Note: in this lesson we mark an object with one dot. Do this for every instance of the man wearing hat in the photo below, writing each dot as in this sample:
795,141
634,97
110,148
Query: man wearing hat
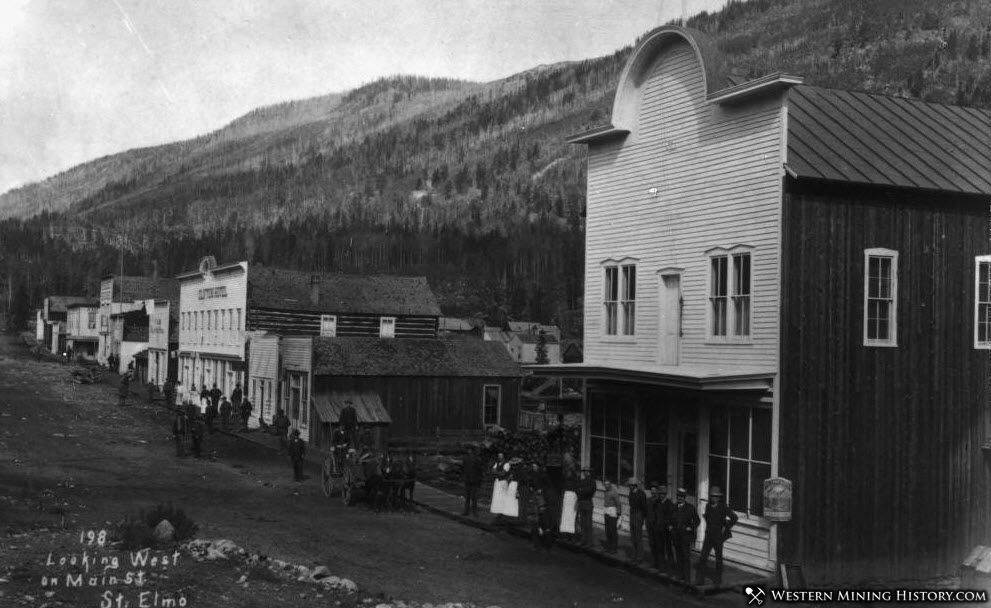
297,451
471,474
638,514
683,526
659,513
719,519
585,491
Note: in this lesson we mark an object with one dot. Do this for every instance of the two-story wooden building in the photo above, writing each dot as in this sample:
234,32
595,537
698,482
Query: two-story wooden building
121,294
83,332
54,317
789,281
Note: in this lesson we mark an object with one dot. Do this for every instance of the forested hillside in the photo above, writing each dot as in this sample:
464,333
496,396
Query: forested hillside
470,184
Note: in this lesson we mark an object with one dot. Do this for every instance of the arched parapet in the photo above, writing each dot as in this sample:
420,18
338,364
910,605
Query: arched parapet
714,67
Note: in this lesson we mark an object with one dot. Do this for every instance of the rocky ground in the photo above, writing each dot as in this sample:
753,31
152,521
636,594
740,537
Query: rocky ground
71,461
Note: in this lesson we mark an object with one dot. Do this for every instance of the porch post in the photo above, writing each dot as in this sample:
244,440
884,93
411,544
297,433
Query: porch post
586,448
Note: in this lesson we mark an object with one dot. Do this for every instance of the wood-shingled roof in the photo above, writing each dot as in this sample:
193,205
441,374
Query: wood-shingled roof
889,141
281,289
412,357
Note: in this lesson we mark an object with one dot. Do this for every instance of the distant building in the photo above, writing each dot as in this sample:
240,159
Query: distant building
523,347
232,319
163,341
120,294
54,319
83,332
426,386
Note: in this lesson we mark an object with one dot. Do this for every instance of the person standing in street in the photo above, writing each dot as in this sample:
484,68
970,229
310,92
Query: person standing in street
226,409
197,431
638,516
349,422
179,430
297,451
613,511
123,389
685,523
169,391
585,491
204,399
719,520
281,426
245,411
237,396
472,475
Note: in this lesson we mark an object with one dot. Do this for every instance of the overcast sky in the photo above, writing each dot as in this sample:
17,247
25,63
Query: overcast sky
81,79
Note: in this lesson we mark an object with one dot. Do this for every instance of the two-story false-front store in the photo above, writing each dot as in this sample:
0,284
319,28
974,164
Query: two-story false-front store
784,281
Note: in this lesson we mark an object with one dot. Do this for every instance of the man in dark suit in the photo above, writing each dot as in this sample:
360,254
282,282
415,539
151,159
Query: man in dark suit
585,490
297,451
472,476
719,520
638,516
683,526
660,511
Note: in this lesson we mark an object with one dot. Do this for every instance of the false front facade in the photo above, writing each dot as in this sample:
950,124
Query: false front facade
724,222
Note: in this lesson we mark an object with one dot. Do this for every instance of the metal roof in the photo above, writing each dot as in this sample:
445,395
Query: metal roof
367,404
889,141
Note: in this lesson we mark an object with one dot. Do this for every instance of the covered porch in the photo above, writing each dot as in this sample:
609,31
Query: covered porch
685,426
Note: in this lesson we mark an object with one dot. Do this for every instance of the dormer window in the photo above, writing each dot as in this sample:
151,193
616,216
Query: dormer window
387,327
620,299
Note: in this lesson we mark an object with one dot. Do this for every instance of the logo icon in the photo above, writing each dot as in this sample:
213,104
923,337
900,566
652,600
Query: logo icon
756,595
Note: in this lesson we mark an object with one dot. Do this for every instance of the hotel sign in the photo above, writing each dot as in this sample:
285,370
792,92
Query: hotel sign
777,499
213,292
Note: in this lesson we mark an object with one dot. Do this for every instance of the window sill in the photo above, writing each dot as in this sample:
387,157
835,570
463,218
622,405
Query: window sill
881,344
729,341
618,339
982,346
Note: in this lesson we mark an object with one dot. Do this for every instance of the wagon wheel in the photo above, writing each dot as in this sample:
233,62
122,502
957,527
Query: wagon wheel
328,485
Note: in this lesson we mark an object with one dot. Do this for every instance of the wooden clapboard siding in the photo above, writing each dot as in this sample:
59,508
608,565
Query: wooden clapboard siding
419,406
231,341
292,322
296,353
882,444
263,357
717,174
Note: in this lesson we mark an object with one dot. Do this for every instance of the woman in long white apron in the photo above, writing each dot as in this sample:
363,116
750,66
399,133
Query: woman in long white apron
569,512
499,487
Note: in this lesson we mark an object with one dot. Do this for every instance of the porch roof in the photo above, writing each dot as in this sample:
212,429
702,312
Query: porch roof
696,377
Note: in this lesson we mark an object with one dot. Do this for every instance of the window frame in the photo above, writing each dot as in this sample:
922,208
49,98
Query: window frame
386,322
619,299
892,340
330,321
978,261
731,296
750,459
486,406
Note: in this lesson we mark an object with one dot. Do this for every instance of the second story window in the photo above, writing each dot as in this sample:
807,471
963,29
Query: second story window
982,302
620,299
387,327
730,295
880,297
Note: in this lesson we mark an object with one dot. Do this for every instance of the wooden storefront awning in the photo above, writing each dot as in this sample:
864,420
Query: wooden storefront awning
367,404
690,377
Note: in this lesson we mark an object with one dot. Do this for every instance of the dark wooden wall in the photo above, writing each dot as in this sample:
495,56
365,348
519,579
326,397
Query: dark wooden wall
288,323
419,406
883,445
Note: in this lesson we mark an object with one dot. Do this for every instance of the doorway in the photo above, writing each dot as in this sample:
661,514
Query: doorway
688,460
669,334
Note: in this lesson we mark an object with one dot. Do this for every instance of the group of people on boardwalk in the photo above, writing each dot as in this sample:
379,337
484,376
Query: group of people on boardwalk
563,507
197,414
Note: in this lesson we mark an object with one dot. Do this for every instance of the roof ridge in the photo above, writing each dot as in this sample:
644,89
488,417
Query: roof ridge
892,97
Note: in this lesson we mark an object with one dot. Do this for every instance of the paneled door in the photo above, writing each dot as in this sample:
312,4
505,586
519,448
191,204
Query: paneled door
669,334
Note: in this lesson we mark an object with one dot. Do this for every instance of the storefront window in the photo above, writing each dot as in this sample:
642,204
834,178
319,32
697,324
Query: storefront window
740,455
612,426
655,444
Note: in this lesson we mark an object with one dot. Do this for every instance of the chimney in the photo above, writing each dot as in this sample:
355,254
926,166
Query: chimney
315,289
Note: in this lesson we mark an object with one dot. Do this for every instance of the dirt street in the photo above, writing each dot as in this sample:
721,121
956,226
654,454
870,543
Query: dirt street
71,460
